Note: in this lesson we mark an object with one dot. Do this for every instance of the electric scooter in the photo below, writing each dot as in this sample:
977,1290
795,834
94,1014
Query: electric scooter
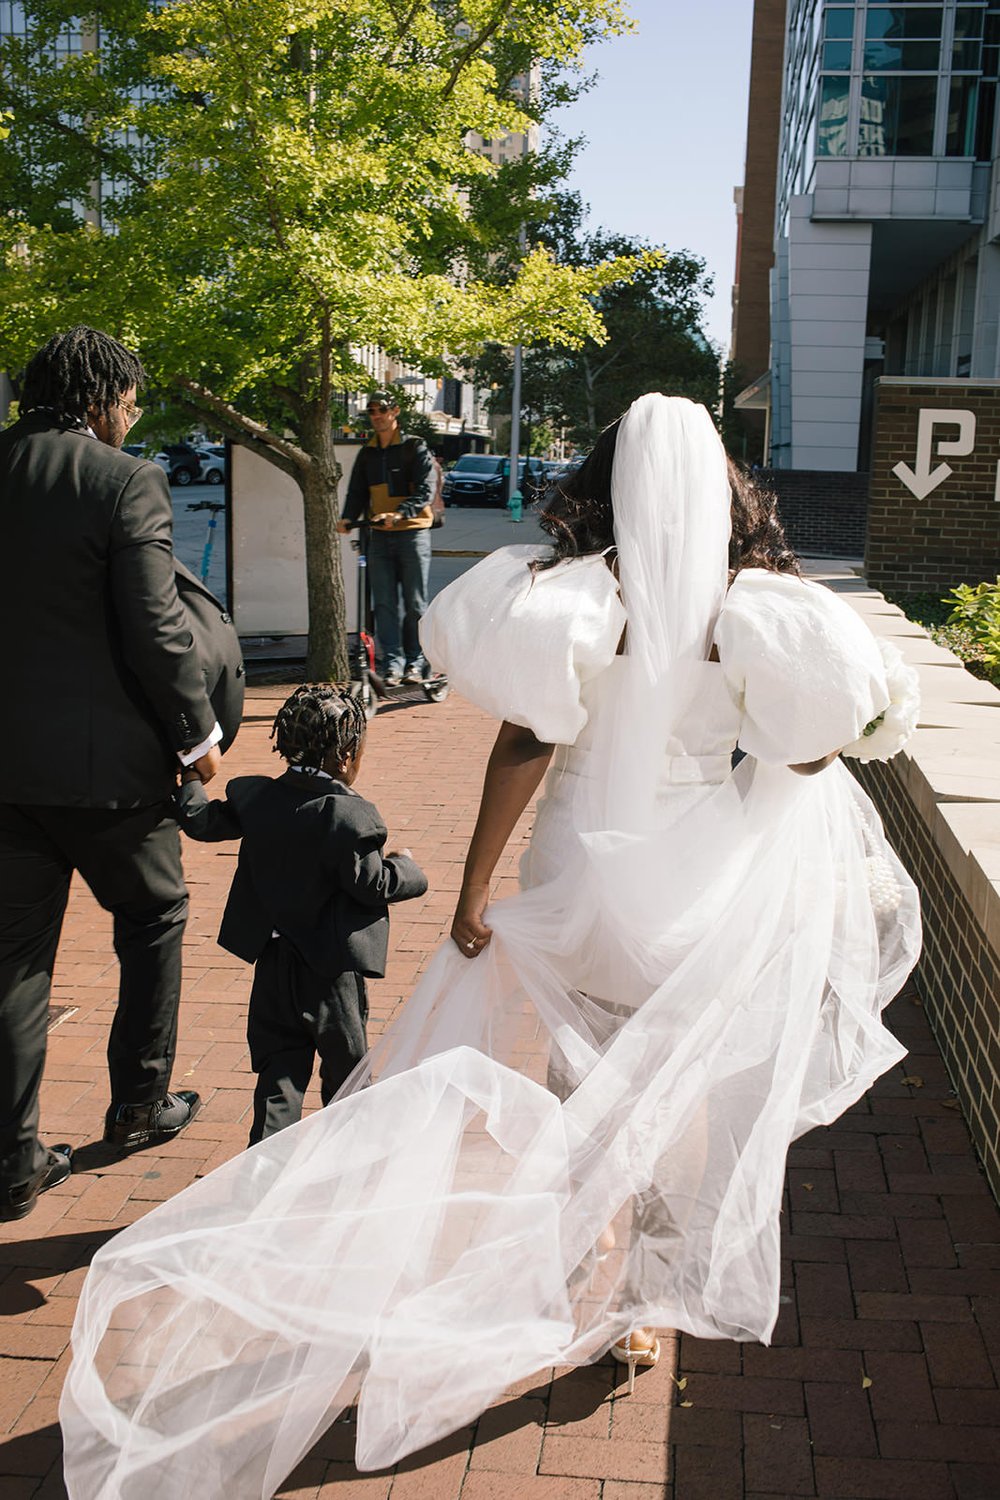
213,507
365,681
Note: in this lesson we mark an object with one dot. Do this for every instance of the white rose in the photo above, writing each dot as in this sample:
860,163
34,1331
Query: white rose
885,736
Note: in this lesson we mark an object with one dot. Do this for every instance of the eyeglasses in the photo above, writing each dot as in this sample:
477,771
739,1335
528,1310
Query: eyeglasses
132,414
381,408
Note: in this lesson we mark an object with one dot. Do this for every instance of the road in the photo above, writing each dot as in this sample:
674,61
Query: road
467,534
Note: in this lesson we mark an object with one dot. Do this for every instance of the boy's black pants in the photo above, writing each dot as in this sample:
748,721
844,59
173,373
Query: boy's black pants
295,1015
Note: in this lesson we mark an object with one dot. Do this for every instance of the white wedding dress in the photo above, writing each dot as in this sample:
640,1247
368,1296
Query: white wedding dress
695,966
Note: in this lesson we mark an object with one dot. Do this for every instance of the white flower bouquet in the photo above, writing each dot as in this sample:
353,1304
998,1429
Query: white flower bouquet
886,735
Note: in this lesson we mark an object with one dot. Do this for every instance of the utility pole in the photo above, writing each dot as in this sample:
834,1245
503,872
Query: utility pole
515,395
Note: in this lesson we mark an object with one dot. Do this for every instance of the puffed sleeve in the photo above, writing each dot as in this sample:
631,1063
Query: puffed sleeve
522,644
804,668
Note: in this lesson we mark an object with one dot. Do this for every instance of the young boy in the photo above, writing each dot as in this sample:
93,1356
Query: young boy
308,904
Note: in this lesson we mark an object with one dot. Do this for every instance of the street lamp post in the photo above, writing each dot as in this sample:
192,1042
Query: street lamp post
515,424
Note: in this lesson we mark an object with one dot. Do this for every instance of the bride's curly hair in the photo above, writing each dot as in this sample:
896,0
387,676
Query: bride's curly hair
578,515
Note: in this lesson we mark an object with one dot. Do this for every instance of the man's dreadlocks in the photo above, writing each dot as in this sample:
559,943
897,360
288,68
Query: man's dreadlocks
318,721
78,370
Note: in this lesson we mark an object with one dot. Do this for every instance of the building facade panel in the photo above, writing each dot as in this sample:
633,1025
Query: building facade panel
887,181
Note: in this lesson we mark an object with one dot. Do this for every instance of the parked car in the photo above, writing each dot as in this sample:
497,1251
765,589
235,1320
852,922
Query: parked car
532,479
482,479
567,466
213,463
180,462
476,479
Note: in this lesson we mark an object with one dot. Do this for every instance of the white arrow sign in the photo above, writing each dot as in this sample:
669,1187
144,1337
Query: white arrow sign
921,480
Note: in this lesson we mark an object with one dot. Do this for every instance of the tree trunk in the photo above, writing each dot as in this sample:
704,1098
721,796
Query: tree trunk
327,658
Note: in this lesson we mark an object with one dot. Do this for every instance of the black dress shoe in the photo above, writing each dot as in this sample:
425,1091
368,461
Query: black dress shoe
128,1125
18,1201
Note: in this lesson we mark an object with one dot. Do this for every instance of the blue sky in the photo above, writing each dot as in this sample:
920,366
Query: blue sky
666,132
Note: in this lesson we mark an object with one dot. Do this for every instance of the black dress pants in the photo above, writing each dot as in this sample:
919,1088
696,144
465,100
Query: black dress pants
296,1014
130,859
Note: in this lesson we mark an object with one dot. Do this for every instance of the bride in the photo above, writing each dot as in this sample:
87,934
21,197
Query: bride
577,1127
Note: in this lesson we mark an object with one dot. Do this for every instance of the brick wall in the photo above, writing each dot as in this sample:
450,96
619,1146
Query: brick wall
824,512
958,976
751,340
953,534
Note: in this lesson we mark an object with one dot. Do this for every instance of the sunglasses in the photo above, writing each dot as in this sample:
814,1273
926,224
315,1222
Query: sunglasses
132,413
380,408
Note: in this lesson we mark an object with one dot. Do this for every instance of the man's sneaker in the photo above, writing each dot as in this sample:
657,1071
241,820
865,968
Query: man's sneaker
18,1201
413,674
127,1125
391,679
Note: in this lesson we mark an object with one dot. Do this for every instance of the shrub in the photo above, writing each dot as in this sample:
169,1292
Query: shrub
978,611
966,621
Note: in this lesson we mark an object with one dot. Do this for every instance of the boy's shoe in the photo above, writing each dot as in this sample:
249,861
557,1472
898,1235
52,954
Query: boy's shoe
391,679
127,1125
413,674
18,1201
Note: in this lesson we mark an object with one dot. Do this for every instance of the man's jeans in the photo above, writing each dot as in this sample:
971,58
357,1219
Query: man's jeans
399,565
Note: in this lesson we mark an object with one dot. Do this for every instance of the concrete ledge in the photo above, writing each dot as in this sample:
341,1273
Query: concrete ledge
940,801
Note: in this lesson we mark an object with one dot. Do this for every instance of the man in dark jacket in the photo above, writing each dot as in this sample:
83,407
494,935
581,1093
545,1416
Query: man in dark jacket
392,485
106,697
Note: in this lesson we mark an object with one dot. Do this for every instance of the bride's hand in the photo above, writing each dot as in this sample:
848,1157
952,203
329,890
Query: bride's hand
469,932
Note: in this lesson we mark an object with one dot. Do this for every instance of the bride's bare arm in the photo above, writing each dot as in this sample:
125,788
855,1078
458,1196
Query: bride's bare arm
516,765
810,767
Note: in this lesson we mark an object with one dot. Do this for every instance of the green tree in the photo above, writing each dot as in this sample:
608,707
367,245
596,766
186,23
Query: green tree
279,183
654,339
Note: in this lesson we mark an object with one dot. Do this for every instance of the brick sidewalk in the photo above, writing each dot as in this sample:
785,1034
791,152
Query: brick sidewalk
882,1379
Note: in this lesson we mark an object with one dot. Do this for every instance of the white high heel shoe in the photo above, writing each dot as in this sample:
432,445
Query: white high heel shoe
635,1354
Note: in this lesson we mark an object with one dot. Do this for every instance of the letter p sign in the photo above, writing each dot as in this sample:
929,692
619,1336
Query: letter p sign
922,479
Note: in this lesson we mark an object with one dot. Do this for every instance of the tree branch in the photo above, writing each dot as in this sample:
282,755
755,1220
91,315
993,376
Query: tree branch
291,398
245,427
119,163
616,354
402,27
475,44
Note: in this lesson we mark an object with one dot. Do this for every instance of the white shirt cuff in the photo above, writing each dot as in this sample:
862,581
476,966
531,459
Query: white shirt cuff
188,757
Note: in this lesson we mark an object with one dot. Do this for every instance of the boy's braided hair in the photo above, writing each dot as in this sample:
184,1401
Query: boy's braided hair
77,370
317,721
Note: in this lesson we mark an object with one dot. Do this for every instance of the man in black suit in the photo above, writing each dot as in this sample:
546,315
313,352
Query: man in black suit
106,697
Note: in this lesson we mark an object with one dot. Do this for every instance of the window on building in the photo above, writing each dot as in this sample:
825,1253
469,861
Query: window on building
902,38
991,42
963,98
451,397
839,22
834,97
897,115
837,57
973,87
910,23
985,118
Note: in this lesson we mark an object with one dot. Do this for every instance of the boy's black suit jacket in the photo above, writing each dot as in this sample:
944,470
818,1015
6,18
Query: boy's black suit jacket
106,668
310,867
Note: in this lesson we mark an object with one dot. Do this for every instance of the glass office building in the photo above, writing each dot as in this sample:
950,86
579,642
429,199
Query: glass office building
887,222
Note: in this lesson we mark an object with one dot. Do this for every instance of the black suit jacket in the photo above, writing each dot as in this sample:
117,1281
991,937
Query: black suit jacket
218,649
310,867
101,684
